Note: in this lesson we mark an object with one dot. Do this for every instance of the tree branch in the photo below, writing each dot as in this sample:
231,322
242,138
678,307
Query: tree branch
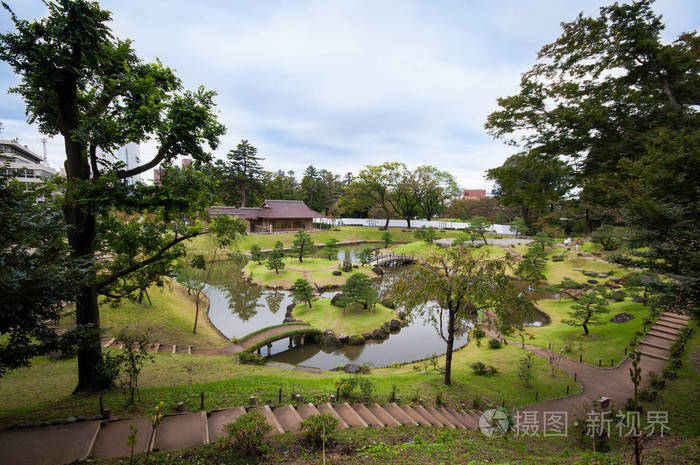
106,281
160,156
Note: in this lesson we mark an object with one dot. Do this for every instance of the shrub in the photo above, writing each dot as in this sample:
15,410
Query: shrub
319,428
494,344
479,368
247,433
365,368
348,385
526,369
250,357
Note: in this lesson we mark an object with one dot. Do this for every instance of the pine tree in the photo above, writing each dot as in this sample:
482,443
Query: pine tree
274,262
303,291
243,169
257,254
302,246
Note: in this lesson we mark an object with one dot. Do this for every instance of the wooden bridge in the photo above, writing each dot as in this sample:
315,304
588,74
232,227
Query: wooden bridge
389,259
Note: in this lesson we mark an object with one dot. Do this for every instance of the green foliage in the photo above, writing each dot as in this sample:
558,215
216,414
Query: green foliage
349,384
331,249
366,255
533,264
319,428
251,357
302,246
241,175
480,369
256,254
38,276
479,226
303,291
587,310
425,234
526,369
518,225
247,433
274,261
359,289
133,357
610,237
386,237
494,344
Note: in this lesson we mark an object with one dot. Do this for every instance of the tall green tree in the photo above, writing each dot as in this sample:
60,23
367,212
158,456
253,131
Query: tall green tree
405,196
434,189
274,261
80,82
331,249
358,289
303,292
243,170
302,246
373,187
462,284
622,105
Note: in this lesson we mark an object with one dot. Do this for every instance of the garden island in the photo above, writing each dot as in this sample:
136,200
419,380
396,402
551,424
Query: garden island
172,296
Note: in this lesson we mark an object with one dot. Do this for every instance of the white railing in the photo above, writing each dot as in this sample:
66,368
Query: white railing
437,224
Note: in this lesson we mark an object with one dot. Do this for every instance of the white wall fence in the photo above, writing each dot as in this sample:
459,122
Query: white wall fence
375,222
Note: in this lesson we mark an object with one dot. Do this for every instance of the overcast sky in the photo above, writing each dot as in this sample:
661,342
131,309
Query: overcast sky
341,84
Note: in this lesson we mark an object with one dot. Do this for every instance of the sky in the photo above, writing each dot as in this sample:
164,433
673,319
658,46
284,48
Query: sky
343,84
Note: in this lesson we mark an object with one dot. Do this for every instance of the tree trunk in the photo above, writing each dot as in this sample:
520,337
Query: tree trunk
196,313
408,222
450,345
243,199
386,224
585,329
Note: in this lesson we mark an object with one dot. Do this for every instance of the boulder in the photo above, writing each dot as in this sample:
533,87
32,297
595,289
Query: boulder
395,325
336,273
347,267
579,270
343,338
352,368
592,281
386,326
330,341
367,335
590,273
337,300
356,266
290,308
356,340
379,334
402,315
378,271
289,319
622,318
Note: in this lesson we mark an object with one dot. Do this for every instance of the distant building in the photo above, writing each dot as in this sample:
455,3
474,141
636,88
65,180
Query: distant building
474,194
272,215
22,164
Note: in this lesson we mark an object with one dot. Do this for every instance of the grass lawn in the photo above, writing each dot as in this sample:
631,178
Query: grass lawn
680,396
605,342
168,321
423,249
203,244
351,320
261,275
174,378
556,271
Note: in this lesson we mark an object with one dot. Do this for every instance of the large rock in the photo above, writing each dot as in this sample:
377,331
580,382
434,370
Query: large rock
343,338
367,335
622,318
347,267
337,300
330,341
378,271
336,273
356,340
290,307
592,274
386,326
592,281
379,334
352,368
395,325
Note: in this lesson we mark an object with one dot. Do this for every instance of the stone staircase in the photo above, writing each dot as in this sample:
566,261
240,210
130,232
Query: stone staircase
108,439
658,340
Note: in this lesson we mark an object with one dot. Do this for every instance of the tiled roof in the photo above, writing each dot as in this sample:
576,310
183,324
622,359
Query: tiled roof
270,209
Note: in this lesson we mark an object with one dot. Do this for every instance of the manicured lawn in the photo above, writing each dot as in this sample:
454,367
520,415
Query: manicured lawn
169,320
175,378
417,249
556,271
351,320
605,342
326,278
680,396
261,275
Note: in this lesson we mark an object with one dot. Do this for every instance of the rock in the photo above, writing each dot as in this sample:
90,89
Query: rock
378,271
356,340
289,319
336,273
637,299
592,281
379,334
367,335
395,325
352,368
602,275
590,273
330,341
579,270
401,315
622,318
343,338
617,280
71,420
347,267
337,300
386,326
290,307
355,266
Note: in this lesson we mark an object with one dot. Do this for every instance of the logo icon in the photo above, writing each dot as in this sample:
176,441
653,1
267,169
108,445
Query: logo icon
494,423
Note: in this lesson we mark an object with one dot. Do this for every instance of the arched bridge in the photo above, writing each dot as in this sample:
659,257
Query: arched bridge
269,335
389,259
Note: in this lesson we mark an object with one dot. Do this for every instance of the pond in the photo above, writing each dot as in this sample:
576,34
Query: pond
237,308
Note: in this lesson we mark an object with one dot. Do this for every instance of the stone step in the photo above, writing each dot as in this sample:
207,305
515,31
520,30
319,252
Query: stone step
475,415
453,419
350,416
676,315
108,341
306,410
367,415
654,345
182,349
440,417
467,419
328,408
271,420
427,415
181,431
673,320
415,416
382,415
673,326
647,353
661,335
399,414
219,418
111,440
289,418
665,330
656,340
165,349
48,445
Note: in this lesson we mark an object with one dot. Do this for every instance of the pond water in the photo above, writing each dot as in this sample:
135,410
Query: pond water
237,308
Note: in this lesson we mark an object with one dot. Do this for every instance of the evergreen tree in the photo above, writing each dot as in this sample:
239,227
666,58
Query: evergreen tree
256,254
331,249
386,237
243,169
302,246
358,289
303,291
274,261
